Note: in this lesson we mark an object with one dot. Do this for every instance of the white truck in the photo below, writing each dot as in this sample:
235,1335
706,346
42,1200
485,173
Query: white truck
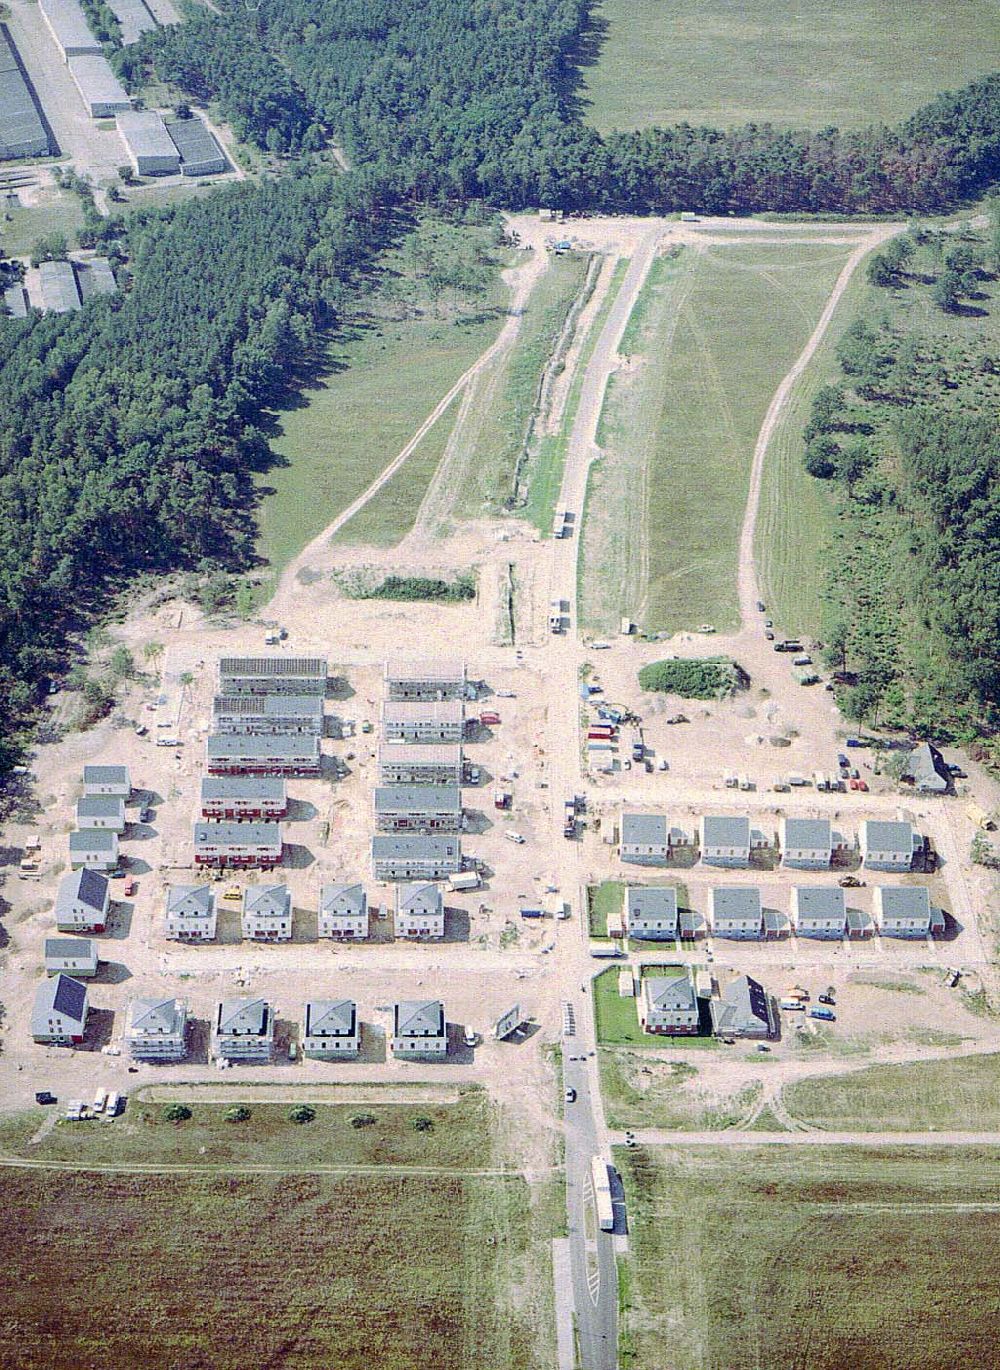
464,880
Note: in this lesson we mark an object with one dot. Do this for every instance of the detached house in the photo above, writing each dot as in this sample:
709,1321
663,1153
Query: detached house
59,1017
668,1005
419,911
332,1029
819,911
651,912
82,902
736,911
76,956
744,1009
902,911
191,913
112,780
101,811
243,1030
644,839
267,913
807,843
94,848
156,1030
343,912
725,841
888,846
419,1029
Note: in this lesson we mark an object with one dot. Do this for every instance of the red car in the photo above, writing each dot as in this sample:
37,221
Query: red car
130,887
854,784
863,786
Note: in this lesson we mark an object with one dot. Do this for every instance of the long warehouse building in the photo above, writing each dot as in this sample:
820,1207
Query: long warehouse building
134,19
67,23
148,145
200,154
22,133
102,93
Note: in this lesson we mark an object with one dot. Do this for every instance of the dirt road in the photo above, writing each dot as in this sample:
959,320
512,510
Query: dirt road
661,1137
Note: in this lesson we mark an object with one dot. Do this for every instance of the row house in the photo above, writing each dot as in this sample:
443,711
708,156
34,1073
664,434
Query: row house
431,680
272,675
412,763
423,720
420,808
243,798
263,715
397,857
237,844
277,754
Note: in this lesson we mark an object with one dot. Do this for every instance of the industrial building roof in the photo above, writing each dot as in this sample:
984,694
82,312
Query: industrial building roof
418,799
95,277
69,24
735,903
60,293
22,133
96,82
133,18
200,153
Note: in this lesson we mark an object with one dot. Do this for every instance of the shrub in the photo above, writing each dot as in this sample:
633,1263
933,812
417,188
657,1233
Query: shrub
710,678
423,1124
363,1120
176,1113
239,1114
301,1113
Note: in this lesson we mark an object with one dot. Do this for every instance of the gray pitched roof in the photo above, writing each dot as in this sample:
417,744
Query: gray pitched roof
820,902
156,1016
416,898
242,787
64,948
808,833
62,994
105,775
267,901
725,831
891,835
742,1005
926,769
100,806
92,839
419,1016
735,902
208,834
670,993
905,901
342,899
395,844
263,667
82,887
264,747
331,1017
191,901
417,799
644,830
245,1016
651,901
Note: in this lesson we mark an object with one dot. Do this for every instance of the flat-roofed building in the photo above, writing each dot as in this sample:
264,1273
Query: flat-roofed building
807,843
419,911
902,910
736,911
60,293
59,1017
819,911
95,277
107,780
82,902
101,811
15,297
343,912
251,754
76,956
398,857
199,149
411,763
22,132
134,19
148,145
419,1029
157,1029
331,1029
191,913
67,24
243,1030
418,808
102,93
237,844
263,714
423,720
430,679
267,913
95,848
272,675
651,912
243,798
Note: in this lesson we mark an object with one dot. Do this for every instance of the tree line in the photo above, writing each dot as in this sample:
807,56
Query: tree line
459,99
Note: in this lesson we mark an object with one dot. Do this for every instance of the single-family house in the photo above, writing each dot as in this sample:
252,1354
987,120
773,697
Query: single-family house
343,912
332,1029
400,857
418,808
819,911
243,798
156,1029
423,720
267,913
807,843
926,771
82,902
644,839
272,675
736,911
113,780
420,763
59,1017
744,1009
105,811
425,680
243,1030
419,911
668,1005
725,841
651,912
888,845
76,956
419,1029
95,848
237,844
191,914
902,910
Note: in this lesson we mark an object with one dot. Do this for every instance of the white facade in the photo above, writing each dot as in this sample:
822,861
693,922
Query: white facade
419,1029
93,848
267,913
343,912
419,911
651,911
156,1029
332,1030
114,780
191,913
101,811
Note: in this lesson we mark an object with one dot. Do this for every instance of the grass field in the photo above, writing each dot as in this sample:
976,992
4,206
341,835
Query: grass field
715,333
459,1135
214,1273
960,1093
810,63
60,212
640,1090
811,1257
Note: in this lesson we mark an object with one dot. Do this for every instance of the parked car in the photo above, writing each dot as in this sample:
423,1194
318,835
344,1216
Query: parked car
853,784
761,606
863,786
515,837
43,1096
131,885
769,635
850,882
570,1095
146,815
